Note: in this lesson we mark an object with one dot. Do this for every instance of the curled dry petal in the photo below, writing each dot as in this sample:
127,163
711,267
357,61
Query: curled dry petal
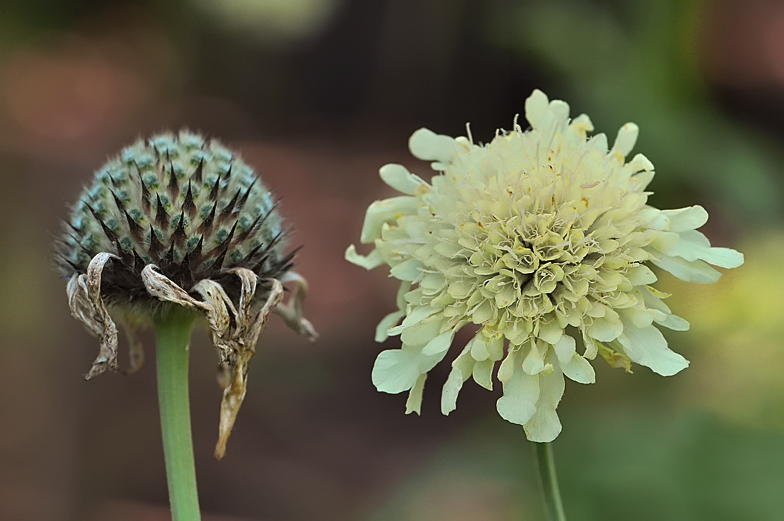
164,289
235,329
291,313
87,306
236,349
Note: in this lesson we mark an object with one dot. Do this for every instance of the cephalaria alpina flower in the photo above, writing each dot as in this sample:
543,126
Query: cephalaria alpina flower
179,220
543,239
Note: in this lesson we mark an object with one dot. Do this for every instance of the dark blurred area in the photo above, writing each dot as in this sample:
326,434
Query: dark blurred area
317,95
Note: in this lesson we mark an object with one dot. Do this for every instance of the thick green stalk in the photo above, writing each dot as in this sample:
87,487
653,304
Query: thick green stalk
550,491
172,334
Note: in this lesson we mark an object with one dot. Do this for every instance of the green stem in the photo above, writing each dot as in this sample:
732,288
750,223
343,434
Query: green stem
172,334
550,491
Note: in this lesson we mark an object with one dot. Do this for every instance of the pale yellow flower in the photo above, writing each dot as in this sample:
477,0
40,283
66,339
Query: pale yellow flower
543,239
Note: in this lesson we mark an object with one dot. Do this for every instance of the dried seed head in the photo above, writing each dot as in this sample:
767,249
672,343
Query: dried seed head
180,220
185,204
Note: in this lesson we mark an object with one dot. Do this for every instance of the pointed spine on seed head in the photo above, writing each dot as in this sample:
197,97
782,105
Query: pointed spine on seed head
229,208
174,187
178,237
156,246
195,254
221,250
161,217
106,230
188,205
206,224
145,191
227,176
244,199
214,192
197,174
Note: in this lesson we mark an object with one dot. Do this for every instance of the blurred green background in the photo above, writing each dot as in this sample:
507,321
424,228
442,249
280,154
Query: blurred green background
317,95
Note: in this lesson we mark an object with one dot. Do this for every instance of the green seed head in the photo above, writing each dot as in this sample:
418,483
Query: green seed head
181,202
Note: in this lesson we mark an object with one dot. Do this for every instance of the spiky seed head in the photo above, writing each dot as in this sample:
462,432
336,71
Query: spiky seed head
179,220
184,203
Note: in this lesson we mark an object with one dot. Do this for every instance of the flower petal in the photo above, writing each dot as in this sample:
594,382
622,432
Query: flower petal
648,347
483,373
579,369
640,275
694,245
544,426
439,344
534,360
606,328
627,137
422,333
87,306
399,178
521,391
380,212
426,144
387,323
370,261
414,401
550,332
408,270
696,271
536,109
565,348
674,322
683,219
396,370
462,367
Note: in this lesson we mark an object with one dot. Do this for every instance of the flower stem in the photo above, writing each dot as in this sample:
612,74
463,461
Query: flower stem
550,492
172,334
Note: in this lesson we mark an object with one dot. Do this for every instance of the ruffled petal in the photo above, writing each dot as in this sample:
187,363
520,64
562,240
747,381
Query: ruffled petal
605,329
565,348
414,401
695,271
462,368
388,210
683,219
648,347
370,261
544,426
521,391
579,369
397,370
388,322
694,245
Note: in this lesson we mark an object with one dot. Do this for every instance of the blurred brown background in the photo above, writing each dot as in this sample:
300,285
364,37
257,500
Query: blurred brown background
317,95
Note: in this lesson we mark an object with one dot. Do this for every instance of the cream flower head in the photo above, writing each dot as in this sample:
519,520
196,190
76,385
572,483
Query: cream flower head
542,239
